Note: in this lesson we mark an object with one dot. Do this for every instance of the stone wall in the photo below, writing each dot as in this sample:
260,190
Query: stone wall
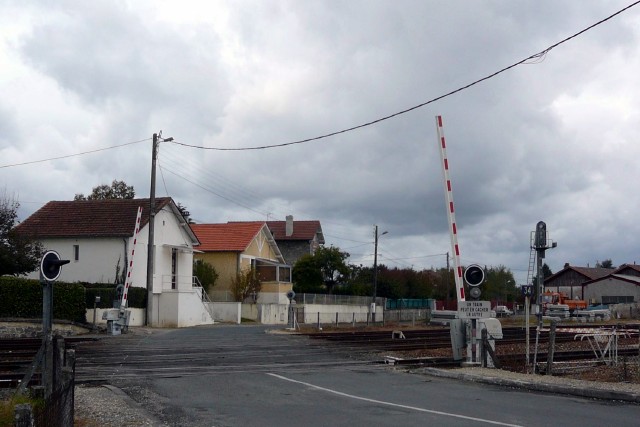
21,328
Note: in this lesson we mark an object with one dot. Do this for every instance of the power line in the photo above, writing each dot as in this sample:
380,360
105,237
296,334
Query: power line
532,59
74,155
213,192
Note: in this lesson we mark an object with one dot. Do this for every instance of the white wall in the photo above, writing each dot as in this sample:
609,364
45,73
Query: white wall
97,259
179,309
345,313
229,312
273,314
267,314
168,233
136,318
611,286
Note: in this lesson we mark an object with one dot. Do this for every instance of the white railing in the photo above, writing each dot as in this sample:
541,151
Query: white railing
204,297
176,282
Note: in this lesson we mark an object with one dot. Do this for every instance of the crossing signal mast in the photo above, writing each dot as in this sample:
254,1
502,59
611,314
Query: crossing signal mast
473,327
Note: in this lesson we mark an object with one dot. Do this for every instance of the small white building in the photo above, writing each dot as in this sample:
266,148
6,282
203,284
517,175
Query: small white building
97,236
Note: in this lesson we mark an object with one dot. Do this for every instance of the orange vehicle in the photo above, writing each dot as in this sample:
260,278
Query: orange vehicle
555,298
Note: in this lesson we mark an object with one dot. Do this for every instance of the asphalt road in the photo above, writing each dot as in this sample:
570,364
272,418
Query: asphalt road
242,376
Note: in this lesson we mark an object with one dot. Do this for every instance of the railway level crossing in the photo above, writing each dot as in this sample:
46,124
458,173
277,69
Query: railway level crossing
472,325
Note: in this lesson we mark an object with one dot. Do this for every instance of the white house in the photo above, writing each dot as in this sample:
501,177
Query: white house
97,236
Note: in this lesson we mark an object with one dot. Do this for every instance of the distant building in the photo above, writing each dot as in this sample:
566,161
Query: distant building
296,238
597,285
233,247
621,285
569,280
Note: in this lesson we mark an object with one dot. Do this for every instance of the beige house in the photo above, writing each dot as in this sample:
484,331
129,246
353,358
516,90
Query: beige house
233,247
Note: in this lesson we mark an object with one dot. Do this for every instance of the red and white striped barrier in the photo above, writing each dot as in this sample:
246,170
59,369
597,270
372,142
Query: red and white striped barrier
125,292
455,249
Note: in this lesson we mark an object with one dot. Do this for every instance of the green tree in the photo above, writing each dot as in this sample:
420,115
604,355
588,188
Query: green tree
19,254
206,274
326,267
306,275
117,190
245,284
607,263
499,284
333,266
358,282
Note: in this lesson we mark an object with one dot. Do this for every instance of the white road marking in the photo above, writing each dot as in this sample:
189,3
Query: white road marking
381,402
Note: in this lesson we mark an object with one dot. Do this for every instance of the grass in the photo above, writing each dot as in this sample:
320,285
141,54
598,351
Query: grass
7,408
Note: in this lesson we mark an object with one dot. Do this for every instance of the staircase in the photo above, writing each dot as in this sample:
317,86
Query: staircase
206,301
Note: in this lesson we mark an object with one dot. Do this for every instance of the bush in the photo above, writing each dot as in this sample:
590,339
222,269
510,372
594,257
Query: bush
23,298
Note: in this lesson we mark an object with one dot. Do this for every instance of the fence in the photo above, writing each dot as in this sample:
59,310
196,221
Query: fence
221,296
311,315
413,316
330,299
403,303
57,391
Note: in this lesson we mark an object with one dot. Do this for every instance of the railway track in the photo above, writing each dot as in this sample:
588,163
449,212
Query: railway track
105,359
429,338
17,355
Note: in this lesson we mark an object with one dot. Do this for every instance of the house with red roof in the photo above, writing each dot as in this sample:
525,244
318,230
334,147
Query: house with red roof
98,236
296,238
234,247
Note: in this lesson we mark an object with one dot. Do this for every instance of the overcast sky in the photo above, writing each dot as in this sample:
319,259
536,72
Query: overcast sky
555,139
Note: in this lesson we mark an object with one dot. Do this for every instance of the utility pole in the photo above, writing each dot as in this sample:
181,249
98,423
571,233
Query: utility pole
151,243
152,221
375,273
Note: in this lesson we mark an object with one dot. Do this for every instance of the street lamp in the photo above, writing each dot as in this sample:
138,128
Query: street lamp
375,274
506,283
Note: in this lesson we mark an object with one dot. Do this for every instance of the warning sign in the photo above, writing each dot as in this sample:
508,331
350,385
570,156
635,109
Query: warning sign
474,309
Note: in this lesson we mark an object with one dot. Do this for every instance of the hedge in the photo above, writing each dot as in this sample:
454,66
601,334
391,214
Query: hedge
22,298
137,297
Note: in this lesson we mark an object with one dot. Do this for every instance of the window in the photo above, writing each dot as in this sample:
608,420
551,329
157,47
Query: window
617,299
285,274
76,253
174,268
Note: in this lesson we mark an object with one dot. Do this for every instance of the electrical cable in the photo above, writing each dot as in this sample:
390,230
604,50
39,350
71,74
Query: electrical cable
214,193
537,57
74,155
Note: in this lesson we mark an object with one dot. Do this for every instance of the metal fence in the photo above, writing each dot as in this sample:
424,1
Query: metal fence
403,303
221,296
387,317
413,316
330,299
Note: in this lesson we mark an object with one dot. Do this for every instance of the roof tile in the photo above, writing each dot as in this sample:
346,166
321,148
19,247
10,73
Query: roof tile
88,218
229,237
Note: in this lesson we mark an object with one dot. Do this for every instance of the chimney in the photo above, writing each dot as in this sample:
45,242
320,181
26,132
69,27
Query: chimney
288,230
